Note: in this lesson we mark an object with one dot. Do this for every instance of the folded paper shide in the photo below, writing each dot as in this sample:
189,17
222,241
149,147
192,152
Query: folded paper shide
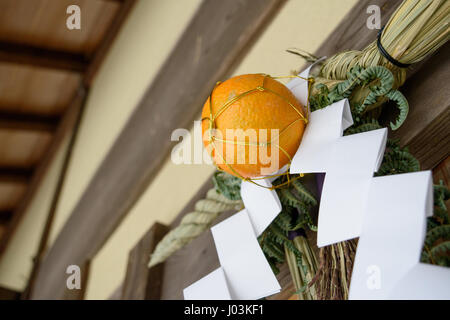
313,166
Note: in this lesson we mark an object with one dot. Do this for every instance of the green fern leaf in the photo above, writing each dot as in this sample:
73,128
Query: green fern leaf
287,198
304,193
298,256
280,234
273,251
369,126
442,249
284,219
425,257
437,233
402,105
227,185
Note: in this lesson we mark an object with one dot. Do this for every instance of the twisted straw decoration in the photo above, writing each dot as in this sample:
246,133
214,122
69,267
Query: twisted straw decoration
193,224
415,30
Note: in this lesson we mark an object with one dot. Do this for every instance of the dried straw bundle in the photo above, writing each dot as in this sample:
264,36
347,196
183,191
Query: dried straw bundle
415,30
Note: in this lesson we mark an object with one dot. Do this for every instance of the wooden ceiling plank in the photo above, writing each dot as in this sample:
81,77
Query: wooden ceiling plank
52,211
40,57
66,125
226,29
88,77
64,128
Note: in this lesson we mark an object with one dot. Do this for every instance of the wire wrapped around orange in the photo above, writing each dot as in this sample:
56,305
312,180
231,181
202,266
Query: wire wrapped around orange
252,101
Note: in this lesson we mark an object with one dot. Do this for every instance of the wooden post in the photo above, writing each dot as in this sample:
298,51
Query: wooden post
79,294
8,294
142,283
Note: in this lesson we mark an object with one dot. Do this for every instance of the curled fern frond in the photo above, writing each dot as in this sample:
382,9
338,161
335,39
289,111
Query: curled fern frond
385,78
377,79
403,106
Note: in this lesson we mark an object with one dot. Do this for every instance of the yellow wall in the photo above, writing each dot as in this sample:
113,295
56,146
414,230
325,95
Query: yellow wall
16,262
299,24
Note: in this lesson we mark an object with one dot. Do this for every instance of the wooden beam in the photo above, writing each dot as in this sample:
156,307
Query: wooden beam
40,57
79,294
116,294
8,294
142,283
197,259
15,175
426,131
28,122
5,216
205,53
442,172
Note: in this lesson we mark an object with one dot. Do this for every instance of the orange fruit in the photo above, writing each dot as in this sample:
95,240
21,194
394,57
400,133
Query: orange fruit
273,106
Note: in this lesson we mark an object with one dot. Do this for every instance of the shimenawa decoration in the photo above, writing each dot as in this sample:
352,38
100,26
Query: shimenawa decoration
368,78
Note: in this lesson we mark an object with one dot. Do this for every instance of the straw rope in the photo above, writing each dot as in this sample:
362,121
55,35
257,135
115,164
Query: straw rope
193,224
415,30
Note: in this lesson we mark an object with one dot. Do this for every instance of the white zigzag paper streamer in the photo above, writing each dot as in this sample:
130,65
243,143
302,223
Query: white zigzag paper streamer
349,163
391,231
387,259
